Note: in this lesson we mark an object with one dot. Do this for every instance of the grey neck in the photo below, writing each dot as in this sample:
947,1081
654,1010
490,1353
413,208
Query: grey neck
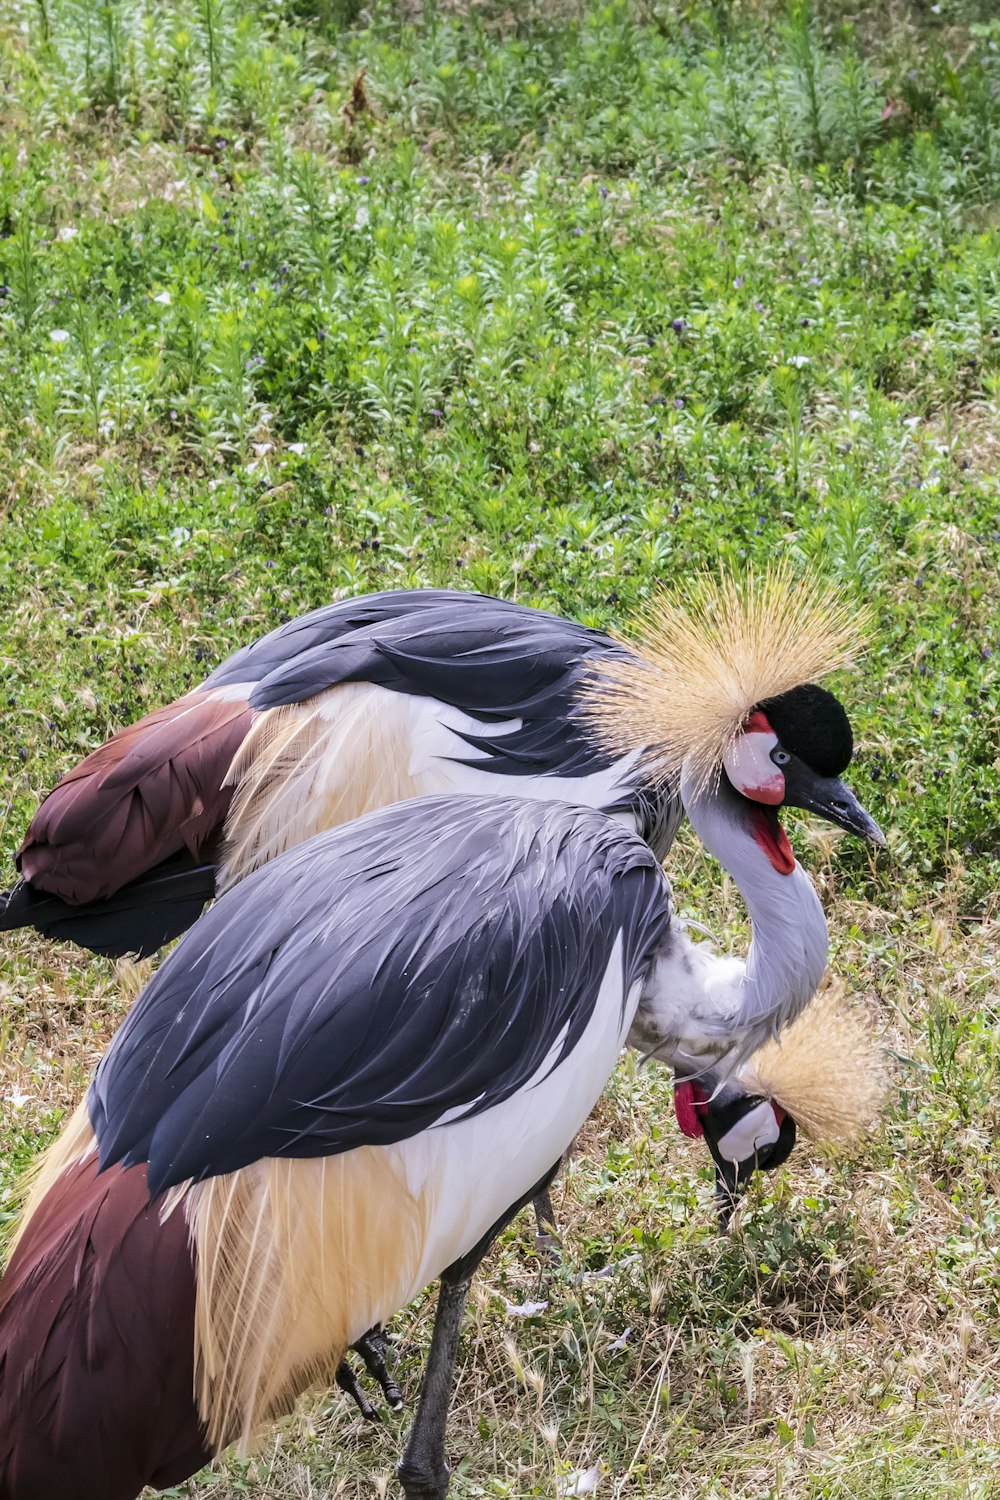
789,947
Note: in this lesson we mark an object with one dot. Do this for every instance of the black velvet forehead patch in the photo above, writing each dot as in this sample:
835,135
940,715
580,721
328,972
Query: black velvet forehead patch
812,724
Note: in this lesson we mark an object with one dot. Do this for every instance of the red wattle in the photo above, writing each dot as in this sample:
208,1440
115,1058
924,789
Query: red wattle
690,1101
771,837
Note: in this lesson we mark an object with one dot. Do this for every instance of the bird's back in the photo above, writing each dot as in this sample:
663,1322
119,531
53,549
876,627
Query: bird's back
359,704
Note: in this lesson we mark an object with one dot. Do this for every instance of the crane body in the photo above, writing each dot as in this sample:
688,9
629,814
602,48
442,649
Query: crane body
344,1080
359,704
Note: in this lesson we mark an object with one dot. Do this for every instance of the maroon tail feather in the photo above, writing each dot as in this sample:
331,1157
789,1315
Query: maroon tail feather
97,1345
152,790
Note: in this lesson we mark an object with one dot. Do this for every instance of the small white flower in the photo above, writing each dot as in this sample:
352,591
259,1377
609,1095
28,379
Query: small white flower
298,448
17,1099
163,298
180,535
59,335
67,232
261,448
798,360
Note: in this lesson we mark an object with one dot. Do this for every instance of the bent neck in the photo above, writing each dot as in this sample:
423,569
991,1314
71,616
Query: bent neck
789,945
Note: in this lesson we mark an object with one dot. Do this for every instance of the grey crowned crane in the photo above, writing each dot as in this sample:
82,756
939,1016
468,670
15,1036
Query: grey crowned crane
374,700
347,1077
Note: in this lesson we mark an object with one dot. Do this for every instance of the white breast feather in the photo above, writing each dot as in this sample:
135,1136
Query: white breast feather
690,1011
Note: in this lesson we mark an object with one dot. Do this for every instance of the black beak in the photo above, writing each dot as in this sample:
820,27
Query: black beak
830,799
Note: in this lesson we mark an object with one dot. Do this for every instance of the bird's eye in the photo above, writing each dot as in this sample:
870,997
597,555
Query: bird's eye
780,757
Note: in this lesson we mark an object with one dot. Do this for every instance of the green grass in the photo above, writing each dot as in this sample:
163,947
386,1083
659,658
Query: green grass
555,301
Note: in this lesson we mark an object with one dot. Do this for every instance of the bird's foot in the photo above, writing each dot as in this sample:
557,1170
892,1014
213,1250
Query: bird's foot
349,1382
420,1483
372,1346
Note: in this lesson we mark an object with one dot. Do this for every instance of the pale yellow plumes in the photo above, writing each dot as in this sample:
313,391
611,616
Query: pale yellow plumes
312,766
76,1142
825,1071
707,655
295,1260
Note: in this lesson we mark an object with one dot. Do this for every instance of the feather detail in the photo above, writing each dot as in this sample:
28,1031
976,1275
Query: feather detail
296,1259
306,767
96,1347
706,657
824,1071
154,789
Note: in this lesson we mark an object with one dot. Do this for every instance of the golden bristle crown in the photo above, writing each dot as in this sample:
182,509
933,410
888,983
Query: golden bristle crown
706,656
825,1071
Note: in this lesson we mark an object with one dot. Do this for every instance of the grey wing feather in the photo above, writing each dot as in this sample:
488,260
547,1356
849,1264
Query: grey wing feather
322,627
494,660
427,957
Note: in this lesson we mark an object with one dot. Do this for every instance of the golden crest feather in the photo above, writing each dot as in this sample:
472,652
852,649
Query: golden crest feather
710,653
824,1070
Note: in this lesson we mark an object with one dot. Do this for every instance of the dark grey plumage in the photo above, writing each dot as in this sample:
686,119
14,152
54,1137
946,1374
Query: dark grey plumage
488,657
296,1020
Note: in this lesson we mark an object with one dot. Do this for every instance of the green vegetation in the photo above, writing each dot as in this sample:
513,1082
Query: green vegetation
554,300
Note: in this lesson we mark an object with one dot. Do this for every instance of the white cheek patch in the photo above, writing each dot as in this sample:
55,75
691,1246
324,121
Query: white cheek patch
758,1128
752,771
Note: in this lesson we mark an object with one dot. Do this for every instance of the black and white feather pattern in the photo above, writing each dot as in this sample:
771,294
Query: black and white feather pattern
491,659
424,962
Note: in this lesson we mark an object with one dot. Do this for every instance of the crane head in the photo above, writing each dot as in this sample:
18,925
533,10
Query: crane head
719,689
745,1134
791,752
824,1078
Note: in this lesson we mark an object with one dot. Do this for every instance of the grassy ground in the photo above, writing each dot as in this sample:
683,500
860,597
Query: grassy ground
553,300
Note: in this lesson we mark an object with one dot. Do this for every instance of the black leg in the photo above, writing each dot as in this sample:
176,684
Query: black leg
422,1470
546,1233
372,1347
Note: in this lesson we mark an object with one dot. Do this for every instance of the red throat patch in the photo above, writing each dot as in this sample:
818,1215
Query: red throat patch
771,837
690,1100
